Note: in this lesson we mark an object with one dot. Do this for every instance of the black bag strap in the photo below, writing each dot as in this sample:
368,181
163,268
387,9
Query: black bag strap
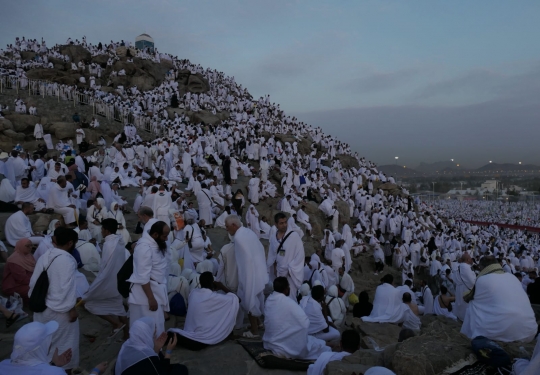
283,241
46,269
313,273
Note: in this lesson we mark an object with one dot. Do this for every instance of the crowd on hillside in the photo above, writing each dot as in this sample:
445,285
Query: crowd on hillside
513,213
296,303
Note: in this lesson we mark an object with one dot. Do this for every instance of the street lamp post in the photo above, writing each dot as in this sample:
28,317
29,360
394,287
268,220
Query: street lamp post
433,194
397,157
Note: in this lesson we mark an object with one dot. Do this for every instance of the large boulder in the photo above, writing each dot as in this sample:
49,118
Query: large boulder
376,335
22,122
344,368
197,84
15,137
204,117
63,130
130,68
344,212
439,346
5,124
76,53
122,51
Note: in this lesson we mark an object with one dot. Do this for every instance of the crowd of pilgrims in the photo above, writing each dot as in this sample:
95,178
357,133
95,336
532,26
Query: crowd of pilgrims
294,302
498,212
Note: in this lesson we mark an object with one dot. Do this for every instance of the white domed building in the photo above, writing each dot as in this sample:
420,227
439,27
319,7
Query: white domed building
144,41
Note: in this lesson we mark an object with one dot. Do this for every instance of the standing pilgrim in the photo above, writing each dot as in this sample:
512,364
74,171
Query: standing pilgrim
61,297
103,299
252,273
464,277
288,249
80,134
148,294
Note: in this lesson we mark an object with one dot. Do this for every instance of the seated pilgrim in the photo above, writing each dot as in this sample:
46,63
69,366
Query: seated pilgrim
18,270
500,309
142,354
27,192
211,315
350,343
320,326
18,226
387,305
287,326
59,201
32,352
442,305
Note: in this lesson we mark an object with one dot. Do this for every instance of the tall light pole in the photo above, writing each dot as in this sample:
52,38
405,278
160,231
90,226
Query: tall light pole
397,157
433,194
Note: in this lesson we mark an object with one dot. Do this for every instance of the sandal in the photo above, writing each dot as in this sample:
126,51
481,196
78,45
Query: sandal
115,331
250,335
12,319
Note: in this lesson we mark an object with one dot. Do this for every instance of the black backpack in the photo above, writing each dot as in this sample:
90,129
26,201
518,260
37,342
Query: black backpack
39,293
123,286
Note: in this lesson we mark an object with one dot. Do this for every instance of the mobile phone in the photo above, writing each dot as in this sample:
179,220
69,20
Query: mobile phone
170,336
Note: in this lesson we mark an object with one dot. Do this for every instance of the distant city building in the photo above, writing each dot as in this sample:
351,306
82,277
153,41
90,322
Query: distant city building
490,185
144,41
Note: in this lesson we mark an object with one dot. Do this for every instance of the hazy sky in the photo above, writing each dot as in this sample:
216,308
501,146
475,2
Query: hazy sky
423,80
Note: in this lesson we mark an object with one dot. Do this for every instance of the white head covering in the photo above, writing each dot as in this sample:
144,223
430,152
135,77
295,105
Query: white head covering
378,370
7,192
304,289
51,229
205,266
31,343
139,346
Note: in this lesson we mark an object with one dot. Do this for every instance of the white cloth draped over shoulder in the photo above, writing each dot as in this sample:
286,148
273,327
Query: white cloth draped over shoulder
103,298
528,367
286,330
464,278
290,259
387,306
252,272
211,316
500,310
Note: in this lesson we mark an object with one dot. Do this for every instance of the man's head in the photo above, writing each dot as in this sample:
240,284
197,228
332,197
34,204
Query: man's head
27,208
108,227
145,213
232,224
350,341
206,280
25,183
406,297
317,293
159,232
61,181
281,285
57,167
65,239
280,219
388,279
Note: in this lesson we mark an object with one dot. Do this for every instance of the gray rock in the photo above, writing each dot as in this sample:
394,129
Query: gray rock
76,53
5,124
23,122
343,368
379,334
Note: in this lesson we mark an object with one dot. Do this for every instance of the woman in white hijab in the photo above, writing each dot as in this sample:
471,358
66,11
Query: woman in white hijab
141,353
30,354
335,305
117,214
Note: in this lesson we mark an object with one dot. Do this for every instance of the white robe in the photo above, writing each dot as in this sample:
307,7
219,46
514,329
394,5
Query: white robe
290,259
205,206
103,298
286,330
500,310
387,306
319,366
211,316
17,227
252,273
464,279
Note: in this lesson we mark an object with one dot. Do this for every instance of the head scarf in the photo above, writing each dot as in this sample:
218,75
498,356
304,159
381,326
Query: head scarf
26,261
52,226
139,346
31,343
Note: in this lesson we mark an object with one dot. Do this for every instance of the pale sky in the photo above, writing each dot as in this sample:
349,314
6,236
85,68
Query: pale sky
424,80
